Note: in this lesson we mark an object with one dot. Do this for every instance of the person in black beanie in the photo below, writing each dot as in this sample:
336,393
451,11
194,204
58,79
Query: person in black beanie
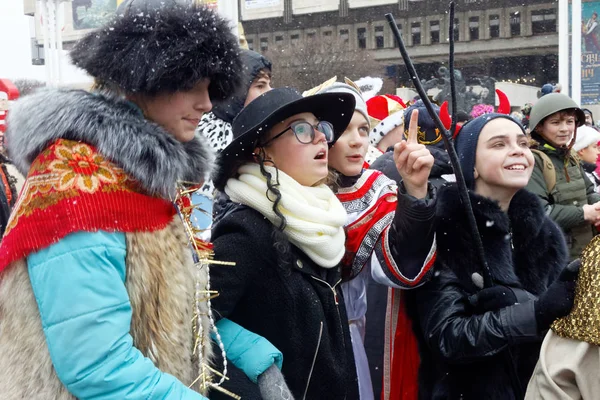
479,342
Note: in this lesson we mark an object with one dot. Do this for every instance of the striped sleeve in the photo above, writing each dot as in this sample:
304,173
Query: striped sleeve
386,271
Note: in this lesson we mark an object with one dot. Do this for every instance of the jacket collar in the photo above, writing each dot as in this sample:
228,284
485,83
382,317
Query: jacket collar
143,149
524,217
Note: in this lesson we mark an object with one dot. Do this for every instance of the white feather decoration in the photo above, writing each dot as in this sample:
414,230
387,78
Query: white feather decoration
369,86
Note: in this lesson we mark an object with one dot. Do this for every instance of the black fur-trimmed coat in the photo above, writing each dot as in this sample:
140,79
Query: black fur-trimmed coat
463,354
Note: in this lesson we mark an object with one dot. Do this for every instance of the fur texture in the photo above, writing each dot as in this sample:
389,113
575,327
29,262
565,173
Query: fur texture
539,252
159,266
162,298
115,127
465,358
165,49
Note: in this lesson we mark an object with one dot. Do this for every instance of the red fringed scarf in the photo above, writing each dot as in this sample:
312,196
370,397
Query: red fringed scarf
72,188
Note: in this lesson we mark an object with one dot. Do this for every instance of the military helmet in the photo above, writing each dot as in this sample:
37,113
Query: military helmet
550,104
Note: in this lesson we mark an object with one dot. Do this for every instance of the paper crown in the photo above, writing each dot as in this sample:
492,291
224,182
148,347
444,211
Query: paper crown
385,113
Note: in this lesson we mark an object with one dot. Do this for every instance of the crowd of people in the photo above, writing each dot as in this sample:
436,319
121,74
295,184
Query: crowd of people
186,231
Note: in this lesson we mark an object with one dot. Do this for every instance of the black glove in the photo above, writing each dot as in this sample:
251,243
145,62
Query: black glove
497,297
557,300
492,299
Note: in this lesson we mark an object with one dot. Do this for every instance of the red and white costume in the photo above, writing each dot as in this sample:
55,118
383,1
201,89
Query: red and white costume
371,203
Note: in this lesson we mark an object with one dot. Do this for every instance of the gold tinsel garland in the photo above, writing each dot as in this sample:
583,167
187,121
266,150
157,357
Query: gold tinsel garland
202,253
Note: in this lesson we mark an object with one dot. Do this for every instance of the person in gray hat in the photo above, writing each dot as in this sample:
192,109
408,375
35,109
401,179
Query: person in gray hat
389,233
558,178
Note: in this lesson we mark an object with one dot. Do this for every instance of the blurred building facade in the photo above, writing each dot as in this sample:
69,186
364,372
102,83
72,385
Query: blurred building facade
511,40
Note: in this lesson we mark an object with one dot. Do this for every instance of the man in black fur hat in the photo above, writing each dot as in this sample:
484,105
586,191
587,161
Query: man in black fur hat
100,296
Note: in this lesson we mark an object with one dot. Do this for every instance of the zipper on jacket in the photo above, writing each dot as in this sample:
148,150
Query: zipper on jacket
312,367
337,305
335,295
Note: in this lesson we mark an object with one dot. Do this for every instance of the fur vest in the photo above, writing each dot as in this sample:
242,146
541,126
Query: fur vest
160,277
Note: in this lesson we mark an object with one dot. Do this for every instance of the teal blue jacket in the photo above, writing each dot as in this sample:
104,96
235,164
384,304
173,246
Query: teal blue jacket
79,286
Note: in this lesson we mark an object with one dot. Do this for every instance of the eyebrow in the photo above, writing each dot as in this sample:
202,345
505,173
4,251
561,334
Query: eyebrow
303,120
504,137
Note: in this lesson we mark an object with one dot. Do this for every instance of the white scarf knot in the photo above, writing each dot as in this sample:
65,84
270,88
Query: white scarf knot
314,216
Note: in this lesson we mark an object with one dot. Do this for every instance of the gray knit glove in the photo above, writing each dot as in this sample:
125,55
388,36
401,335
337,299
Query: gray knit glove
272,386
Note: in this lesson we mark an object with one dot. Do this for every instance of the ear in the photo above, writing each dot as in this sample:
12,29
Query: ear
475,173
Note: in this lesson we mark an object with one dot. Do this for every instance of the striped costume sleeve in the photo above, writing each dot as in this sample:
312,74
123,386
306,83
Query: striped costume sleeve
386,271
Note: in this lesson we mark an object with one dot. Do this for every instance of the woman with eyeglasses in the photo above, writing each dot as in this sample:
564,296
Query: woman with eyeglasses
284,229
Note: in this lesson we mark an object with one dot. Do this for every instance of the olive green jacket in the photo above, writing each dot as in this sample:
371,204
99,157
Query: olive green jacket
565,203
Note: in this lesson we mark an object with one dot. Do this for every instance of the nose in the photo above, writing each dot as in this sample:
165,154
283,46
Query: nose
319,136
517,150
203,102
354,138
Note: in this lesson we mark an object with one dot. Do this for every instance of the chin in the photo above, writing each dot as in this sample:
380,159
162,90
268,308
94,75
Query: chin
352,170
516,184
185,137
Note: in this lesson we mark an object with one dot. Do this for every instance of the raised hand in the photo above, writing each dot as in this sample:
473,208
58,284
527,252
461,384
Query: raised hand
413,160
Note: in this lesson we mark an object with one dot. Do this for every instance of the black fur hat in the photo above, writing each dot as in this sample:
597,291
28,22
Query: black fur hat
154,47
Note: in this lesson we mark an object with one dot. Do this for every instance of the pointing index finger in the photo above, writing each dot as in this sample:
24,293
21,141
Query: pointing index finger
413,128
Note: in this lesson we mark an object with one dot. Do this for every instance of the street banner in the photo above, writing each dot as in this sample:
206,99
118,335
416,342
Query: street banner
590,53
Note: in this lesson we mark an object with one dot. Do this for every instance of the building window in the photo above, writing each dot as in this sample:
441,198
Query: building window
456,29
515,23
345,35
264,44
295,38
361,38
311,35
250,43
415,30
403,37
279,40
379,37
328,33
494,26
473,28
434,31
543,21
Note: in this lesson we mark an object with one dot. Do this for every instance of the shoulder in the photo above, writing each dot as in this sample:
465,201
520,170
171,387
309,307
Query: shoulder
385,163
244,222
106,242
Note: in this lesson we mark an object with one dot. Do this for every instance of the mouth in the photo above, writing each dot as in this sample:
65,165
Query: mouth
516,167
321,155
355,157
194,121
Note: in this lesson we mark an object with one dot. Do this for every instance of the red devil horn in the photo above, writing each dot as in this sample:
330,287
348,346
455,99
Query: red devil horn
504,107
444,116
457,131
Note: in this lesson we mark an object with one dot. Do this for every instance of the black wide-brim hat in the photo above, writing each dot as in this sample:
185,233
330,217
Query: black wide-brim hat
162,46
271,108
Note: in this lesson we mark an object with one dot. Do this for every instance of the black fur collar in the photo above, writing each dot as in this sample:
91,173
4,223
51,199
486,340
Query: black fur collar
523,247
525,215
115,127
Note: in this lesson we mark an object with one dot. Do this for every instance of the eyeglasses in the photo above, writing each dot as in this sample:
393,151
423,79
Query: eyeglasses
305,132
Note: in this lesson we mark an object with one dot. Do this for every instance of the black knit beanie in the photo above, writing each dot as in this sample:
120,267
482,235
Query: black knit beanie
466,143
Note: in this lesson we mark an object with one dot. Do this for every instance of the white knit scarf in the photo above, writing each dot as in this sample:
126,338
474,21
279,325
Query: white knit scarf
314,216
